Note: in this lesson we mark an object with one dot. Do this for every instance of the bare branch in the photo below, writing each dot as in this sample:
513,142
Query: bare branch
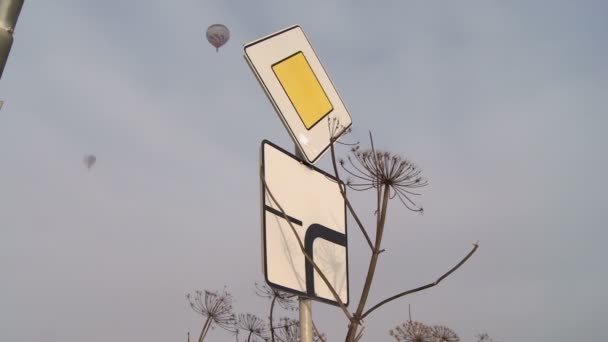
270,318
318,333
424,287
348,205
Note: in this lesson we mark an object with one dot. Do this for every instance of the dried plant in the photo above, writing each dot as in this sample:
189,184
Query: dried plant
336,130
289,331
444,334
254,326
484,337
412,331
371,169
216,307
391,176
284,299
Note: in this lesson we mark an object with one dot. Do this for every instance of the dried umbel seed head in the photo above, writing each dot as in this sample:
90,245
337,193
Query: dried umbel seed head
215,305
336,129
254,326
412,331
288,330
444,334
283,299
374,169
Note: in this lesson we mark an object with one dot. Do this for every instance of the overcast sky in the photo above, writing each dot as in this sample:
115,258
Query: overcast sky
502,103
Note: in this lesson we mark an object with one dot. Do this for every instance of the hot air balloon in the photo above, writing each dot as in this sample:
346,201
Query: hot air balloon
218,35
89,160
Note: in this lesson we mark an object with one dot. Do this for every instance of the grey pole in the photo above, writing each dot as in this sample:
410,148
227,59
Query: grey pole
305,303
9,12
305,320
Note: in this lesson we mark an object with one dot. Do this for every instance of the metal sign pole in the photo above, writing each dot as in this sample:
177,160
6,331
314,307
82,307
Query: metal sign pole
305,303
305,319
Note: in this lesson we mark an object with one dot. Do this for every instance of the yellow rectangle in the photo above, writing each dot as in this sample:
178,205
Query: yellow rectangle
303,89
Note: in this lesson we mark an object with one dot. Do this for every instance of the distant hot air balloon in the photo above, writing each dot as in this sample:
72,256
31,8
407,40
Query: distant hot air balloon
89,160
218,35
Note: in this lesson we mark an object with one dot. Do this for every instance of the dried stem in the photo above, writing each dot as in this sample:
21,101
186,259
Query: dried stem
354,325
274,299
348,204
318,333
215,306
206,326
424,287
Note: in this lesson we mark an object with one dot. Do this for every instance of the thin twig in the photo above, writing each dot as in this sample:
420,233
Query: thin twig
287,325
349,206
359,334
314,326
205,329
270,318
424,287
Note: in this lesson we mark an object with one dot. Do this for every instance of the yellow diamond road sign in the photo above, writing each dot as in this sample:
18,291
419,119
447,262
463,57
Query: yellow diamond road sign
303,89
298,87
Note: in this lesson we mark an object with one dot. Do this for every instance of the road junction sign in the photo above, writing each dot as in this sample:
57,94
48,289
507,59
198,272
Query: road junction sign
311,201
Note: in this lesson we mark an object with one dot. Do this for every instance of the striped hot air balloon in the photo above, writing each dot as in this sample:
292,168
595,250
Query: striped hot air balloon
218,35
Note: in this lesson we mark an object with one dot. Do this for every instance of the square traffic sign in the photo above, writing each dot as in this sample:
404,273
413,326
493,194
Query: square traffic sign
299,88
311,201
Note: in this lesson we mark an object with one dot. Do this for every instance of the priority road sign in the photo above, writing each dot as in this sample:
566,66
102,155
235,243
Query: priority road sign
311,201
298,87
